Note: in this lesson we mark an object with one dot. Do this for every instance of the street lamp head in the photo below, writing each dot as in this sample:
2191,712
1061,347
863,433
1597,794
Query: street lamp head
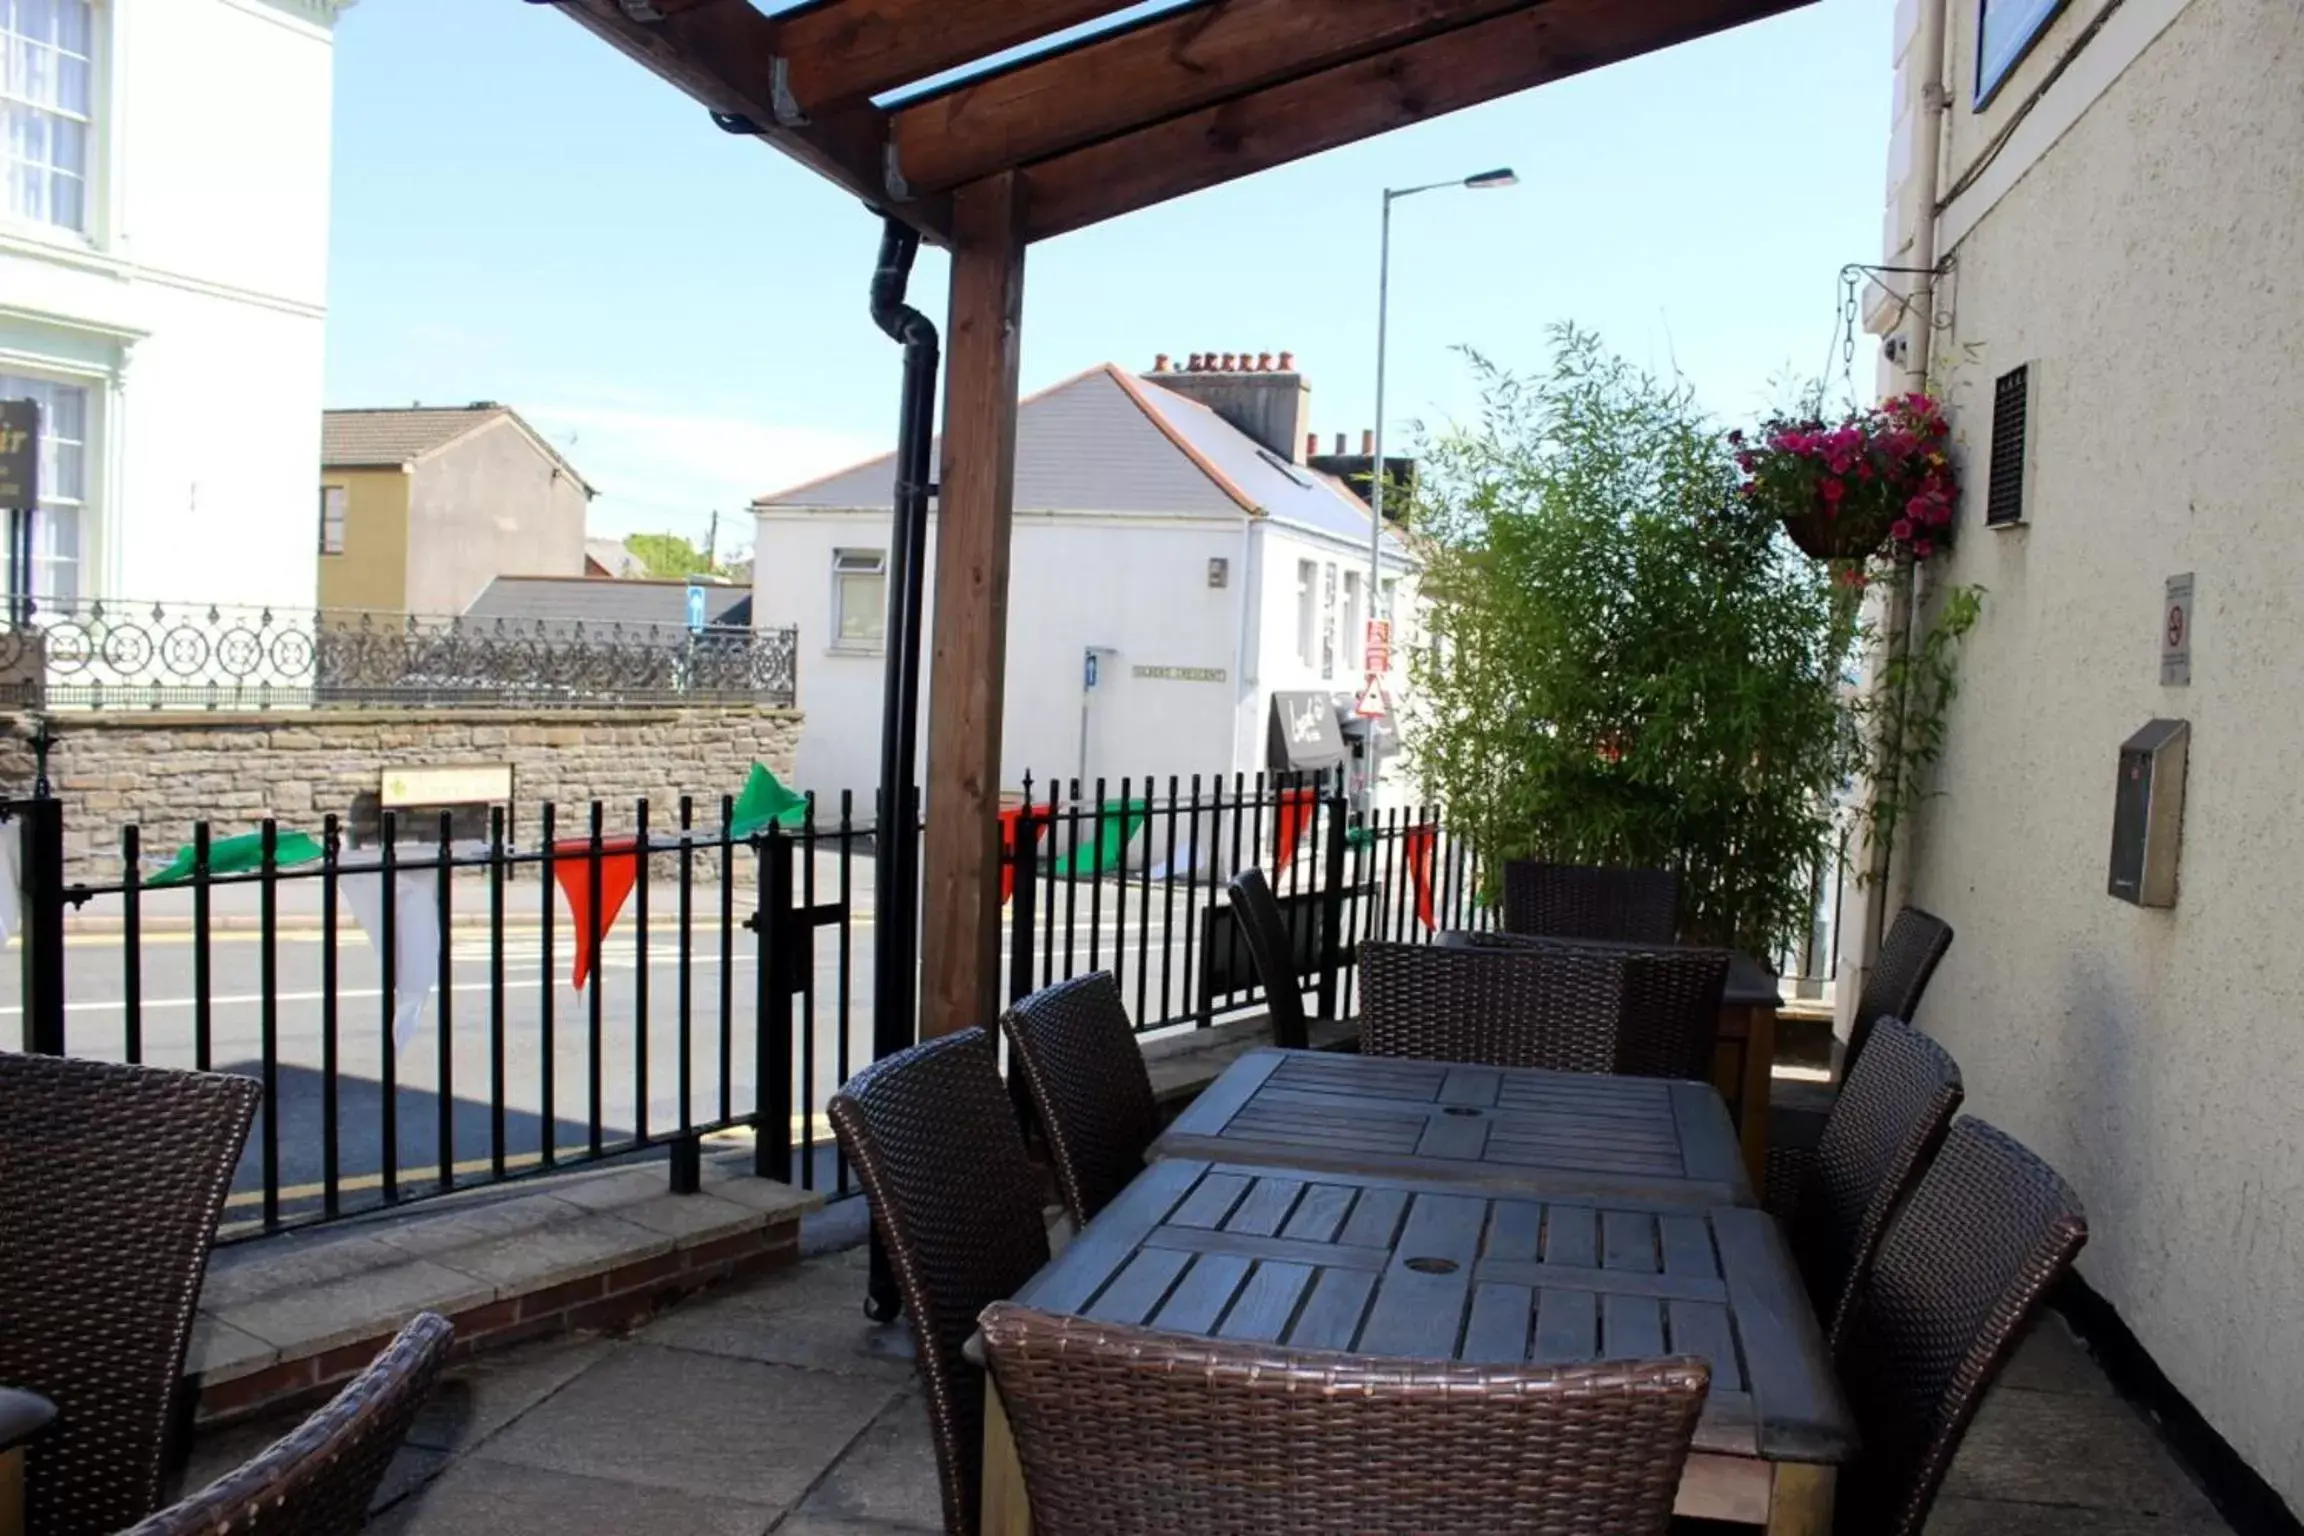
1500,177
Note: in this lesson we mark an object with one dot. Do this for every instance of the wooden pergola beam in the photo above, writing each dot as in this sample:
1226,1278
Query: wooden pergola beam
840,53
1425,79
1174,63
723,53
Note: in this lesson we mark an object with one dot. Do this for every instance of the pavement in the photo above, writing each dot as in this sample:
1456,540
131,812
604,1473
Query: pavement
775,1406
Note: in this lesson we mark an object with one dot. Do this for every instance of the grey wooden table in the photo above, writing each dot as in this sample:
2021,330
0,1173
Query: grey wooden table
1320,1259
1516,1130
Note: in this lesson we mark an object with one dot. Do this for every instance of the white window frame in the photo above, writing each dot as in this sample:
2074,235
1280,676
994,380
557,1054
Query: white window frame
1328,622
336,513
851,563
49,106
1308,612
1352,627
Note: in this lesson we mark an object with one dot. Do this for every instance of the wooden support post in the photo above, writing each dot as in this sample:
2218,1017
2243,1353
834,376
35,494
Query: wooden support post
975,503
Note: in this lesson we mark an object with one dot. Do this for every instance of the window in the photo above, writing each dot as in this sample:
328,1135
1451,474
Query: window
2011,414
859,599
46,109
1354,639
56,528
1327,622
2005,32
332,500
1307,612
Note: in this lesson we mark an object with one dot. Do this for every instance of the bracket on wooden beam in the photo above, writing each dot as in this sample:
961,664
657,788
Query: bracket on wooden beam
780,98
641,10
892,174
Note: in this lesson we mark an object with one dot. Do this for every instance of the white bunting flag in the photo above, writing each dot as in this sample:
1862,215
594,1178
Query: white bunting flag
415,935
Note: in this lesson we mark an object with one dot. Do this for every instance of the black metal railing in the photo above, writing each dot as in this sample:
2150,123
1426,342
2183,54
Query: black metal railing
136,655
727,996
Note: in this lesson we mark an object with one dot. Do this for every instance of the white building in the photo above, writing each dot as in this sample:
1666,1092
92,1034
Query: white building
1216,579
163,275
2116,188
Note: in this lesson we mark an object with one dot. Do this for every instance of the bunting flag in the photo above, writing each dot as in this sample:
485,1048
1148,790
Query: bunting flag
765,801
1009,821
1416,845
415,935
619,866
1292,812
241,855
1119,824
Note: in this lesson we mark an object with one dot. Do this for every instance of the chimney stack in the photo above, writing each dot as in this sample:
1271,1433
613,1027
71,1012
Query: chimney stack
1311,446
1258,393
1339,445
1368,441
1160,362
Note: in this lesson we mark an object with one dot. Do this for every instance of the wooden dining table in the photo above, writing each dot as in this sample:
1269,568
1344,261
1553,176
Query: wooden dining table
1520,1130
1413,1268
1744,1046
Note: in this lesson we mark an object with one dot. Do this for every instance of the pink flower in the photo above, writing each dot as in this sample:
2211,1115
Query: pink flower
1833,490
1901,528
1923,548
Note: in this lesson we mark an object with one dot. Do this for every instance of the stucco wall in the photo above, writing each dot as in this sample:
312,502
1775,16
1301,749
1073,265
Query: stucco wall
490,504
2150,269
371,575
167,771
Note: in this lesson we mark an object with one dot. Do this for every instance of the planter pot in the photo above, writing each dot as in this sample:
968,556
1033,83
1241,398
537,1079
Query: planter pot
1835,538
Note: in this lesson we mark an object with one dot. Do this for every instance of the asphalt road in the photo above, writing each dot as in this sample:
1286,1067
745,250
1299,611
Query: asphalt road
444,1108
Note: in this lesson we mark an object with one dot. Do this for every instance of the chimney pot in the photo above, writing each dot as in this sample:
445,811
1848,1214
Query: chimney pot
1368,441
1287,362
1263,362
1160,362
1339,445
1311,445
1226,365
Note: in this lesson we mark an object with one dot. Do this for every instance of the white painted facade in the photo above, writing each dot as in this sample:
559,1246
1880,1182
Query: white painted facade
1135,587
2125,221
164,205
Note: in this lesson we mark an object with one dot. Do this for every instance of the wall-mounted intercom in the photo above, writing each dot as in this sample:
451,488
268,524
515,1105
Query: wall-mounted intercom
2148,813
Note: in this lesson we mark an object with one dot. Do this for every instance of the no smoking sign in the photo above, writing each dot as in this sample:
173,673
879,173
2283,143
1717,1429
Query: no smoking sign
2176,633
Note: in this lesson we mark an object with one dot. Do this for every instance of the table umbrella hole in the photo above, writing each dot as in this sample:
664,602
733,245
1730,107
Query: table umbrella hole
1463,1110
1430,1266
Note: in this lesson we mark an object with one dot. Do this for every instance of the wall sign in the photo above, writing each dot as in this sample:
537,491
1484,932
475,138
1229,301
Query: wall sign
1181,674
19,454
2176,633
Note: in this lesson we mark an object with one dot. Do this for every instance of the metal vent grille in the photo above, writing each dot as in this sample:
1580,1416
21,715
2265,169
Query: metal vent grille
2011,402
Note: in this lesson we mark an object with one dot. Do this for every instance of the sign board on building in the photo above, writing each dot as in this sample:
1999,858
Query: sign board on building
19,454
695,608
1088,670
1181,674
2176,633
490,784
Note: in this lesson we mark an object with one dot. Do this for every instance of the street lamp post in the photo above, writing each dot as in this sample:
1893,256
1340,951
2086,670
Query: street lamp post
1485,180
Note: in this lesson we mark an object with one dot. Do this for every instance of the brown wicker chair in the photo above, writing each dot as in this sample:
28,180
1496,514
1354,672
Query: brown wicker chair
935,1145
1557,1006
1886,1124
1575,901
320,1478
1264,928
111,1182
1671,1002
1964,1266
1909,953
1123,1431
1078,1053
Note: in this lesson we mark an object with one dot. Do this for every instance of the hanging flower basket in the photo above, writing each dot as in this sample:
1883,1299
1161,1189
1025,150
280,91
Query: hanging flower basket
1880,479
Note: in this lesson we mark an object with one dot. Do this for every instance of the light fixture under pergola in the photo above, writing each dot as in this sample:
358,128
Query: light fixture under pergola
985,125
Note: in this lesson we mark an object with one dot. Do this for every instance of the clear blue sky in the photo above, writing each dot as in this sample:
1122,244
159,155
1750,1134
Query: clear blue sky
522,214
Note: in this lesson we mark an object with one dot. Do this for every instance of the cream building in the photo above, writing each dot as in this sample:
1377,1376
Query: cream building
2115,189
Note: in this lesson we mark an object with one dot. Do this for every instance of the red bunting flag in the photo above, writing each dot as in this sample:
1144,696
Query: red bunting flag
1416,846
572,867
1008,823
1292,813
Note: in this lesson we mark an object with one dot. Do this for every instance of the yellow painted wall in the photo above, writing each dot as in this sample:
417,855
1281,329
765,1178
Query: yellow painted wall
372,573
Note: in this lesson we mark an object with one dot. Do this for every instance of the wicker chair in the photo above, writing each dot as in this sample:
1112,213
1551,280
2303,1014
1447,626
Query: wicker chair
1964,1266
935,1145
1123,1431
1909,953
1886,1124
1575,901
1078,1053
111,1182
1273,950
320,1478
1671,1001
1557,1006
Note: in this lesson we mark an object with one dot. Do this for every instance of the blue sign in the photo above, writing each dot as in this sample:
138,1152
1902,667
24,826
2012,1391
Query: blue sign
1088,673
695,608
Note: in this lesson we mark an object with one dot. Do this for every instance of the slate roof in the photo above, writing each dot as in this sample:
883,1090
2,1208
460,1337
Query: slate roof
605,600
393,437
1107,441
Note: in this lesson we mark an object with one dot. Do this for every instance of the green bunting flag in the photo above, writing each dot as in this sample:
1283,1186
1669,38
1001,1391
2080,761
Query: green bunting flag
241,855
766,800
1120,823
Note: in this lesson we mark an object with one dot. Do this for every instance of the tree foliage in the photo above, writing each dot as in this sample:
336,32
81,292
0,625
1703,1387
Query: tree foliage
668,557
1630,666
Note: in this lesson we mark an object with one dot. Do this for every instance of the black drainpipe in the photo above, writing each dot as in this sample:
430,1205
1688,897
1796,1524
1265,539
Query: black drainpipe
895,843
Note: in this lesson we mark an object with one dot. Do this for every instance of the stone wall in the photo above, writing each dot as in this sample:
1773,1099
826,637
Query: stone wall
165,771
